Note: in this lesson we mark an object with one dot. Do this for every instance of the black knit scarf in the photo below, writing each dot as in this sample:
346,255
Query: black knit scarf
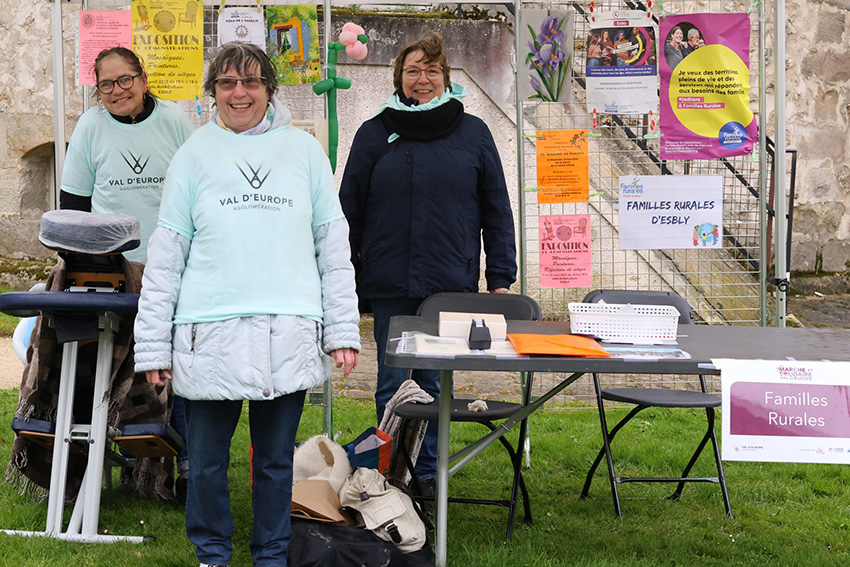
150,104
425,125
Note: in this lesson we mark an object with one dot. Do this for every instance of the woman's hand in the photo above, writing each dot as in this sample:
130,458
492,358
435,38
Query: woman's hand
158,377
346,358
500,290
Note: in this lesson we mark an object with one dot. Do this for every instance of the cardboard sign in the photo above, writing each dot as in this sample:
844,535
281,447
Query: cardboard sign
663,212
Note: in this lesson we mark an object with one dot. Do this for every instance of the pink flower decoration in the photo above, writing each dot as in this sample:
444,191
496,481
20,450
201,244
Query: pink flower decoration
353,46
356,50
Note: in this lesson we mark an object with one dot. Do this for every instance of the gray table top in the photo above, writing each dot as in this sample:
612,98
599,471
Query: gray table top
702,342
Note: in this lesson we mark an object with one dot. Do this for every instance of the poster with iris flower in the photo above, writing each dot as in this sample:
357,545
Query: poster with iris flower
544,72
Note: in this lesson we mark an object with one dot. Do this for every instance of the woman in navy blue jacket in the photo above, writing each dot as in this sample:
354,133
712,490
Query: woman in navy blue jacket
422,185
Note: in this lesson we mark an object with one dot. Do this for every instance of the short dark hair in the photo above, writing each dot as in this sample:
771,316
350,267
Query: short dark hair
431,44
241,56
126,54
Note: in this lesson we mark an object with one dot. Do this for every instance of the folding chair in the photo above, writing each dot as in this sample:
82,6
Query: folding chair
644,398
513,307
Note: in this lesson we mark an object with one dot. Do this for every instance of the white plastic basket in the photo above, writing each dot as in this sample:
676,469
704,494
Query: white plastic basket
625,323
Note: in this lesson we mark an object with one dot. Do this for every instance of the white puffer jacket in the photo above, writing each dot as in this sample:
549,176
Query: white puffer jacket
247,358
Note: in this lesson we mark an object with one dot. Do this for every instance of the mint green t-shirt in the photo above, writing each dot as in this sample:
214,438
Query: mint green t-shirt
249,204
122,166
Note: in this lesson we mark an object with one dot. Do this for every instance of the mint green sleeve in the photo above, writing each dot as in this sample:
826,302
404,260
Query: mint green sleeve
78,174
325,199
175,210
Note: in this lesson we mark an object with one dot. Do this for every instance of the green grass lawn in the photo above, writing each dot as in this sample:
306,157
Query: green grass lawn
7,322
785,514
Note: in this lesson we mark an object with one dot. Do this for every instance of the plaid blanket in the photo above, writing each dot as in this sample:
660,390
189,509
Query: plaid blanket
131,400
409,391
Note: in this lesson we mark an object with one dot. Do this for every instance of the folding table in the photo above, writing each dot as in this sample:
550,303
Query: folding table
702,342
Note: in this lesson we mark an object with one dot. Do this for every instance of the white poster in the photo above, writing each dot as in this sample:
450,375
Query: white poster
622,64
242,24
663,212
785,411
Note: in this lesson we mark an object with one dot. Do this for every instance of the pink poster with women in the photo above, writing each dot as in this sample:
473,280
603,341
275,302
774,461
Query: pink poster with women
705,86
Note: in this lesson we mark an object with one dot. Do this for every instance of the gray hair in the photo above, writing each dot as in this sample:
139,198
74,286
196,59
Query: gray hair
240,57
692,33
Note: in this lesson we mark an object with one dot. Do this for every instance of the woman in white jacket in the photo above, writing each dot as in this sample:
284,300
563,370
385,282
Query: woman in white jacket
248,285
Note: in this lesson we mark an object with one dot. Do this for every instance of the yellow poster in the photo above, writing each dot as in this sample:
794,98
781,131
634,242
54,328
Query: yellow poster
562,166
168,38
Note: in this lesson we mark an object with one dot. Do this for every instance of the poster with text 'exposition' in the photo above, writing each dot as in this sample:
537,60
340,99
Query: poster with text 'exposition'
565,251
705,86
168,38
622,65
562,166
664,212
785,411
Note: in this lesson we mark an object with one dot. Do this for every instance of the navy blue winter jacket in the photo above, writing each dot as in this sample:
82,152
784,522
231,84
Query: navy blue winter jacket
417,211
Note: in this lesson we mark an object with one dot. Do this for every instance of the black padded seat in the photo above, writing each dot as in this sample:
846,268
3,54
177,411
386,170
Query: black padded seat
82,232
662,397
42,433
512,307
21,425
460,410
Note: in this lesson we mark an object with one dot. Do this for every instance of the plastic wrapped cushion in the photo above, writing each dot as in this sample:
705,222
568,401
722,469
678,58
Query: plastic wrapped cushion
88,233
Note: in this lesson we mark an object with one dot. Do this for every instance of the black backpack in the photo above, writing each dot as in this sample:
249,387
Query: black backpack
314,544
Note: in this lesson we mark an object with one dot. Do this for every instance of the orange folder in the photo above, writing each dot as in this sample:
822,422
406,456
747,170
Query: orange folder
560,345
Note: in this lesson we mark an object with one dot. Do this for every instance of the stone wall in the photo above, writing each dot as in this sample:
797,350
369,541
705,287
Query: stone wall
26,120
817,98
818,119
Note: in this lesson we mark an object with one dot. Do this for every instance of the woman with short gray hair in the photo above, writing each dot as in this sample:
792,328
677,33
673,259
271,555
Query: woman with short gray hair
248,295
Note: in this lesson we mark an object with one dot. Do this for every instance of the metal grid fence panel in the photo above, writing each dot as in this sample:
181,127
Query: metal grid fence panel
721,285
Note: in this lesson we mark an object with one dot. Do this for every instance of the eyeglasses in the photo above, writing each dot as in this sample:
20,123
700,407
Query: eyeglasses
229,83
124,81
413,73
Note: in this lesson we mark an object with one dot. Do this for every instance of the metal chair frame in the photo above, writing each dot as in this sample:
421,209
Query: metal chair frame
644,398
512,306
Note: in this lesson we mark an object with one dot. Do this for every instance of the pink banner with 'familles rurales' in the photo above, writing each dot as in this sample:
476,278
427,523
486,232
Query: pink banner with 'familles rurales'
810,410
